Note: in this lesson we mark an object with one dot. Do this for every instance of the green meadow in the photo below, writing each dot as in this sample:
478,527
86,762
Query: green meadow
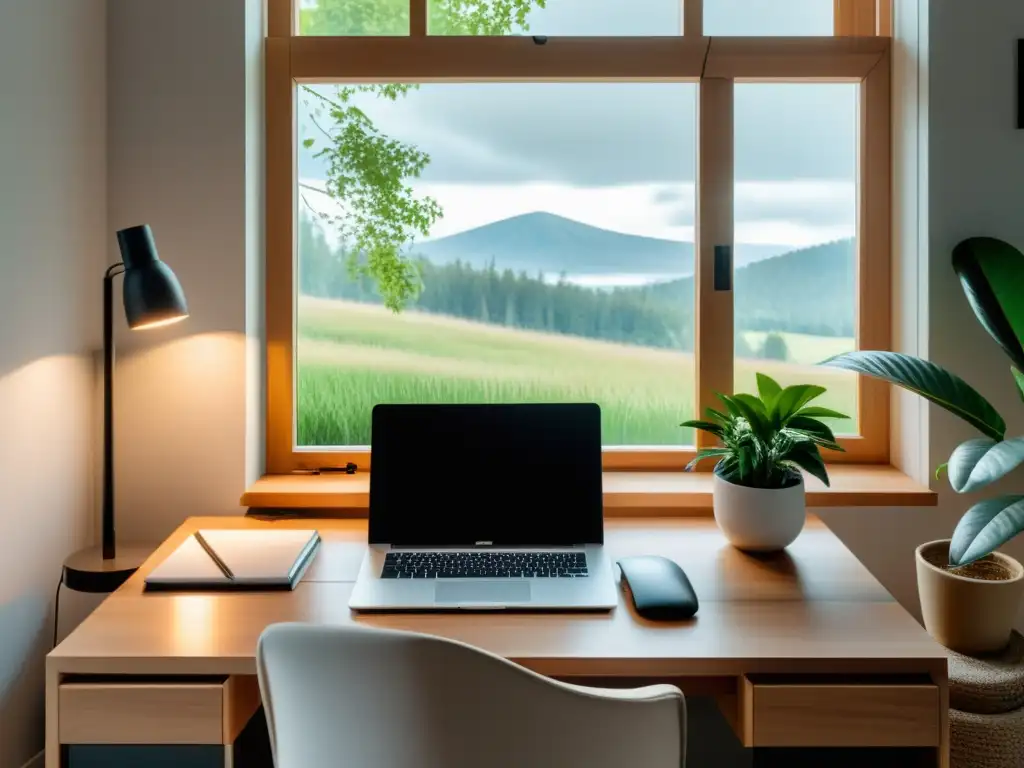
352,356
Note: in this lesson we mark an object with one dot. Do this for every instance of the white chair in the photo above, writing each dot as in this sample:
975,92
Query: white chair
371,698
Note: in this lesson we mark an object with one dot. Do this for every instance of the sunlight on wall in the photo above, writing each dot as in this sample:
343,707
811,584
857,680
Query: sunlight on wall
180,411
45,445
45,419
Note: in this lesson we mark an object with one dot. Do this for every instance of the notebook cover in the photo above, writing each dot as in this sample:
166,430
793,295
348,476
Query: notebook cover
261,559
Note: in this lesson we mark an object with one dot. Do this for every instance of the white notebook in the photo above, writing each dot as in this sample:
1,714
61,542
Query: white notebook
248,559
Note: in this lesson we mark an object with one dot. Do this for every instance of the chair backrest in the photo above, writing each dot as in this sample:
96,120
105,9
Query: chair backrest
370,698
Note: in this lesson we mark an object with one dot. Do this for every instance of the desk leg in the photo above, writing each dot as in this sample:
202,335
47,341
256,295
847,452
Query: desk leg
943,751
54,752
844,757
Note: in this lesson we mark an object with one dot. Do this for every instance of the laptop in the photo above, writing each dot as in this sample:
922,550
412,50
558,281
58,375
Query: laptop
481,507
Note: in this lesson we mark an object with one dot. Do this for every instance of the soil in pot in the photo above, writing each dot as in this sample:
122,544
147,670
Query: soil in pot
985,569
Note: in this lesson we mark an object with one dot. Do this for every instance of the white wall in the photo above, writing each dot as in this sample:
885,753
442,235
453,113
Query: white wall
974,185
52,237
183,152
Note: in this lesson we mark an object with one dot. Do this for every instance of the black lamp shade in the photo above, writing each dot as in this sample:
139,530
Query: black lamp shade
152,294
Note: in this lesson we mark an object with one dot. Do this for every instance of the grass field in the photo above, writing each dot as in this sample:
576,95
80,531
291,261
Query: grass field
352,356
804,349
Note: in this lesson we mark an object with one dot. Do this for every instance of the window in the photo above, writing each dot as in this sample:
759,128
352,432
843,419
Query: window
559,265
547,213
795,201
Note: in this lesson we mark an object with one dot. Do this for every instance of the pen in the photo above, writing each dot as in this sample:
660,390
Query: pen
214,556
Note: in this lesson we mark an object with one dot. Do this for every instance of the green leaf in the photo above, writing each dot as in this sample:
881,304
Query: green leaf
379,214
940,469
769,390
806,456
792,399
810,429
976,463
817,412
985,527
752,402
730,405
718,416
744,465
751,409
1019,378
991,273
707,453
307,143
964,458
704,426
928,380
726,468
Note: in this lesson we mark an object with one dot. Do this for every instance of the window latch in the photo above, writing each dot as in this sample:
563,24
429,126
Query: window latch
723,267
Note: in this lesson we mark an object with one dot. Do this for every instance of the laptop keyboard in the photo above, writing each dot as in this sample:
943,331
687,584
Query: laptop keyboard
484,565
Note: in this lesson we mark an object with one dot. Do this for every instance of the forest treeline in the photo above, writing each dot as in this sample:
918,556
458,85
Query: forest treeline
807,291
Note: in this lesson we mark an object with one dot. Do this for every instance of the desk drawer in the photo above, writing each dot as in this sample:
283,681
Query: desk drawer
779,713
206,711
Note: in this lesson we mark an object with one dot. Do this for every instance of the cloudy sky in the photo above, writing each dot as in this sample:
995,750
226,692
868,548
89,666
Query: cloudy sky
622,155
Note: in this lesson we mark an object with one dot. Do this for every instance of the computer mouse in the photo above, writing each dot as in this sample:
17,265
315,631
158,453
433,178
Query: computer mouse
659,588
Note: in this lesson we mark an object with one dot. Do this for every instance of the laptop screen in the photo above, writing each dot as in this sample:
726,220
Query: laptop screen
511,475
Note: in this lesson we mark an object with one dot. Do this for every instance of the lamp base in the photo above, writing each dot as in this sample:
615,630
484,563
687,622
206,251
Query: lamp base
87,571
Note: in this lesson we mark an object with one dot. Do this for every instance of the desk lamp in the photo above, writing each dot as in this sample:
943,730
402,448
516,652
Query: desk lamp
152,298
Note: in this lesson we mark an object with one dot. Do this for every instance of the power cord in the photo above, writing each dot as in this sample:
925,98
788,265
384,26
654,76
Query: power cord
56,608
348,469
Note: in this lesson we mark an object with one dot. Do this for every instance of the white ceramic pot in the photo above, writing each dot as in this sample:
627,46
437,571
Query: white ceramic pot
971,616
759,519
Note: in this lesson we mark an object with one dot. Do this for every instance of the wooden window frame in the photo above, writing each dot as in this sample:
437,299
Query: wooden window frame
858,53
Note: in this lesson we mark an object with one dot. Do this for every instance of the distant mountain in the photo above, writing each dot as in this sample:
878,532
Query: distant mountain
812,290
809,291
536,242
546,242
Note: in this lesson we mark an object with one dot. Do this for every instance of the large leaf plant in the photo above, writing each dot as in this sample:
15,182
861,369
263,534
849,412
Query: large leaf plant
766,439
992,275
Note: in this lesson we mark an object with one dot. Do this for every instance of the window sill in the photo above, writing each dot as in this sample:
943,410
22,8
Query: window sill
625,493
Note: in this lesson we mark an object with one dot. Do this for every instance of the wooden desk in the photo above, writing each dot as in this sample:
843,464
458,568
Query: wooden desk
801,649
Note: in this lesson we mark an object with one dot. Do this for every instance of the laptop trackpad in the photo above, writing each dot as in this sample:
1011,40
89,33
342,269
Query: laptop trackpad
482,592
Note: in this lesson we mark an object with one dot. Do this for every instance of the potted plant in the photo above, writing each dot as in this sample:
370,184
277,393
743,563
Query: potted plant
765,440
970,593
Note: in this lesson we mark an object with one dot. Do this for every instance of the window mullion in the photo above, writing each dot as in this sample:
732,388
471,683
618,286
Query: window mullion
693,18
856,18
281,18
280,262
418,18
883,18
874,238
714,313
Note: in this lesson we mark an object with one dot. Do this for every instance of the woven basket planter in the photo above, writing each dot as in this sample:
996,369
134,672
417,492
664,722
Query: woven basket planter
986,716
986,741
